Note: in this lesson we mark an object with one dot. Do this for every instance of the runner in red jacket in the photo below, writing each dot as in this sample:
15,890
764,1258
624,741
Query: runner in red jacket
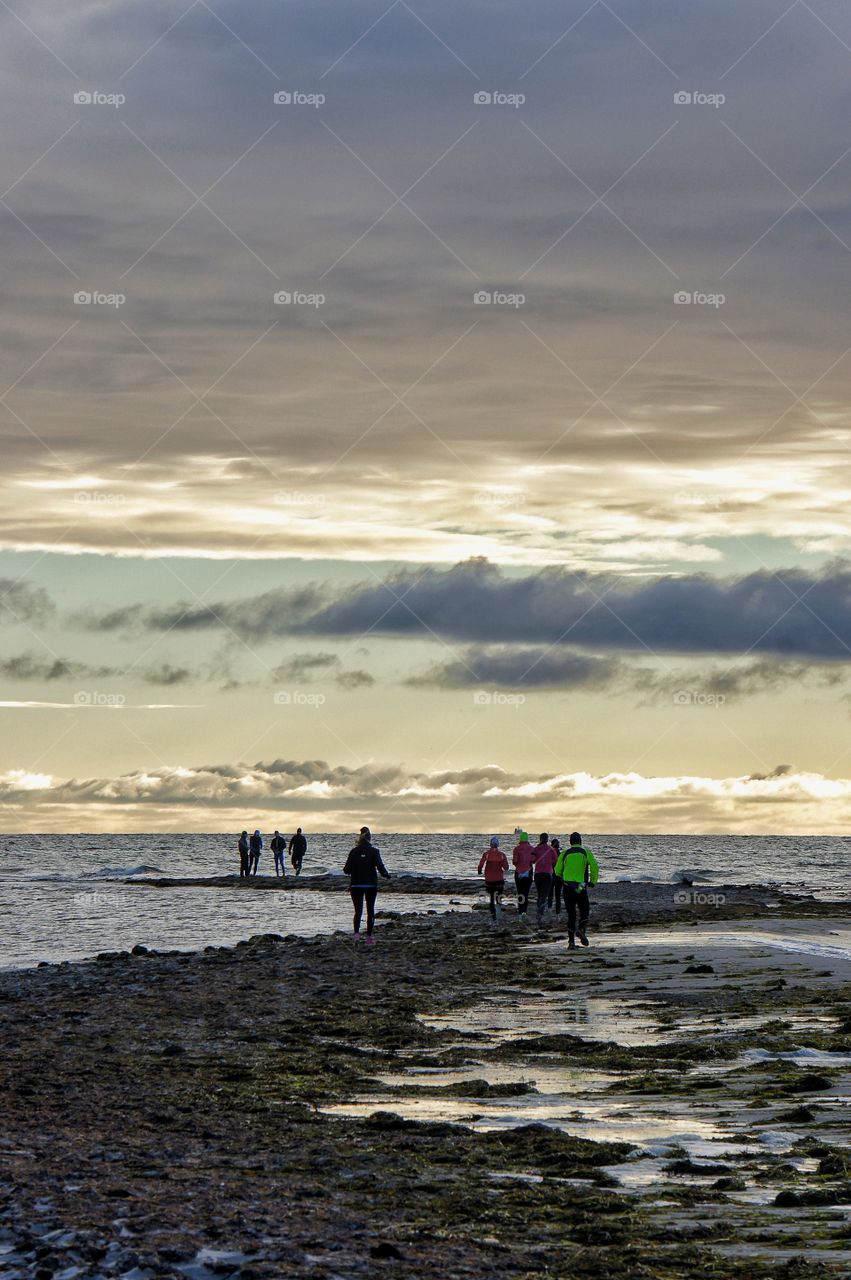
494,864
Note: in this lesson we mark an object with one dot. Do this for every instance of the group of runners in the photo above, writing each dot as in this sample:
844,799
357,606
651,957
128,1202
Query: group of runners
560,877
251,847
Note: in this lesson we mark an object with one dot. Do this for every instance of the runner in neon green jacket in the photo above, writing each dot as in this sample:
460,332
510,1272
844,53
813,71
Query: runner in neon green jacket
577,865
578,868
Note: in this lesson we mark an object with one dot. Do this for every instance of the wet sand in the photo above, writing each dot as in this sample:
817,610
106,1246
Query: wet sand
459,1100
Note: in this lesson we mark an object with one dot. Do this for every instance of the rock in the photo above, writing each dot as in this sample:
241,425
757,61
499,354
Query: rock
787,1200
798,1115
700,968
385,1250
696,1170
388,1120
812,1082
173,1050
139,950
729,1184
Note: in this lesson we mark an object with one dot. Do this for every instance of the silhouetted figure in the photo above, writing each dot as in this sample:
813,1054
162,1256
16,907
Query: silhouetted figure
298,848
364,866
255,845
278,845
244,864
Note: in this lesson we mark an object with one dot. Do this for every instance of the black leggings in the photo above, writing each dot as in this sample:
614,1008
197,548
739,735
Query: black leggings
523,884
358,897
576,896
495,888
555,892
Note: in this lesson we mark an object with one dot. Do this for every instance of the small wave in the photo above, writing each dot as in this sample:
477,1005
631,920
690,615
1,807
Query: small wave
688,876
104,873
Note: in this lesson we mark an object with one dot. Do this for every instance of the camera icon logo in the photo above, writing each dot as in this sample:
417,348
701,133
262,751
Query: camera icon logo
682,698
482,298
282,98
482,98
83,98
282,698
682,299
83,698
82,298
682,99
481,698
283,298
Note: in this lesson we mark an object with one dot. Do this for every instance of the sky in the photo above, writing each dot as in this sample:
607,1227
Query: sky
422,414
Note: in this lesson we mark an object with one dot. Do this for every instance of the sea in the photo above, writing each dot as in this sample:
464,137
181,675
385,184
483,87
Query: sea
63,897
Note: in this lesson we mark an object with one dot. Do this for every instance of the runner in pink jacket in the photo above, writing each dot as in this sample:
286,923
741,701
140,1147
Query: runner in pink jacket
494,864
523,860
544,856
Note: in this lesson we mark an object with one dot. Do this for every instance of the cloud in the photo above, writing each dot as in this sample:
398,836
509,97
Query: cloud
306,411
790,613
395,798
34,666
23,602
520,667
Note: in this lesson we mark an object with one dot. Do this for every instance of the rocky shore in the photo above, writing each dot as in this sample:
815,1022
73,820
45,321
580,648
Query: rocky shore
459,1100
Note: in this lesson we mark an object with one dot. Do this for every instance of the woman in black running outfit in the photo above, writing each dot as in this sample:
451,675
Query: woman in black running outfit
364,865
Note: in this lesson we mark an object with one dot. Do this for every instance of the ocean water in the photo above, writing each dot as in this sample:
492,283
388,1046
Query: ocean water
62,896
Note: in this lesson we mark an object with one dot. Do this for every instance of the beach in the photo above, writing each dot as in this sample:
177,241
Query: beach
459,1100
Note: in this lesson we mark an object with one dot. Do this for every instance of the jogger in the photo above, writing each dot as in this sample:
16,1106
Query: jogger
545,859
364,866
495,864
523,860
578,868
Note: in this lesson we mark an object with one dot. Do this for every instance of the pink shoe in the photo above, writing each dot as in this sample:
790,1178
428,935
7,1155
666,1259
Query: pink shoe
355,937
370,940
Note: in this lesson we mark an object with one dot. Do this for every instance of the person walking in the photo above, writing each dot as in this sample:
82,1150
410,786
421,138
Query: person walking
255,845
578,868
544,856
364,866
298,848
523,862
494,864
557,882
278,845
244,864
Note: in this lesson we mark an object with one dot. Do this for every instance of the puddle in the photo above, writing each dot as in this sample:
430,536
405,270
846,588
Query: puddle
616,1120
591,1017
